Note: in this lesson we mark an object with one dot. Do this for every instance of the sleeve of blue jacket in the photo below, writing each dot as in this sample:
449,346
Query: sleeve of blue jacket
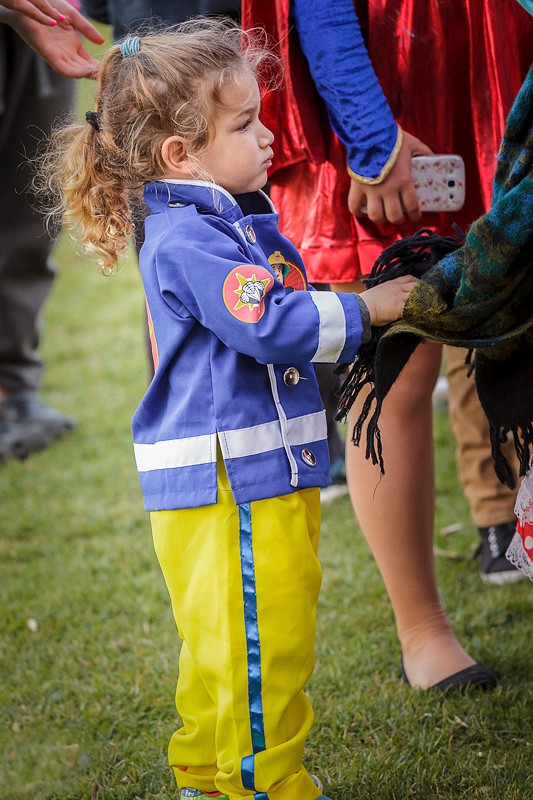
331,40
296,327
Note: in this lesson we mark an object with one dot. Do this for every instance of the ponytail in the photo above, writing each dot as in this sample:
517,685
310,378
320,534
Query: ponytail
89,199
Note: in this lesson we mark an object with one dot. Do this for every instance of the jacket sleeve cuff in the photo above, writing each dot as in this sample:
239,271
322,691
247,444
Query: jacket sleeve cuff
340,326
365,319
385,169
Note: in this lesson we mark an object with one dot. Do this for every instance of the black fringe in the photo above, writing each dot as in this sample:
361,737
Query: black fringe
523,444
504,387
414,255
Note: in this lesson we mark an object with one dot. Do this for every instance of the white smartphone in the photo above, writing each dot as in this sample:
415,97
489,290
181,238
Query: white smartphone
439,181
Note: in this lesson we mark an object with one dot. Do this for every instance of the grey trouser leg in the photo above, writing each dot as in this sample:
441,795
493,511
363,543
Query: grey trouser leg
32,96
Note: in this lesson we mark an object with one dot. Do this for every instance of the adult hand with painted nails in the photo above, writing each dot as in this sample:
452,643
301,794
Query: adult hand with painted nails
56,13
56,39
39,10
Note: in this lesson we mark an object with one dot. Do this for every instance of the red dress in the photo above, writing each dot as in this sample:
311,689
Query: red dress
450,72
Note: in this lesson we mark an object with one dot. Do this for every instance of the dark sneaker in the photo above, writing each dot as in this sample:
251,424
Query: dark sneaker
19,441
27,424
495,568
27,408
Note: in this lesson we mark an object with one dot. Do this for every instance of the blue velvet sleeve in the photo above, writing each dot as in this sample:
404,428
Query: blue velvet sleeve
331,40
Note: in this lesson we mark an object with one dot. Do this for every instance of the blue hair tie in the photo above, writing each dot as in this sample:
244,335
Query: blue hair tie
130,46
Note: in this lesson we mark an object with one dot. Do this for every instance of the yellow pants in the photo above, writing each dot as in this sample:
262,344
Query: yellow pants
244,583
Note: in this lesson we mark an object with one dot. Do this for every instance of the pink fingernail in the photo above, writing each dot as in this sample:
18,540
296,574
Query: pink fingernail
52,22
61,18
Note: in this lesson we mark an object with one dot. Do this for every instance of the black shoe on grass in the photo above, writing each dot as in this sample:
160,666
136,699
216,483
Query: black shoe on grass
495,568
27,425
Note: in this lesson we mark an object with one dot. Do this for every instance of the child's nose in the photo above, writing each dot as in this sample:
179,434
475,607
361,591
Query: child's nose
266,137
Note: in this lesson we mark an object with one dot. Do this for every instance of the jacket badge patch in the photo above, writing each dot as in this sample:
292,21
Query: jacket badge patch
280,265
244,292
290,275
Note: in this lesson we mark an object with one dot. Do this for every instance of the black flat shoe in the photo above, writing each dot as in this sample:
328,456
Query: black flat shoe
476,676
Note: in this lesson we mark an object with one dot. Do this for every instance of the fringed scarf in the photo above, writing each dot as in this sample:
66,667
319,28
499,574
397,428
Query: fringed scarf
476,294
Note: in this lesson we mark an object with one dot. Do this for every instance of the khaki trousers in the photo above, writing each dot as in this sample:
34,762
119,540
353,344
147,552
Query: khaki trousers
491,503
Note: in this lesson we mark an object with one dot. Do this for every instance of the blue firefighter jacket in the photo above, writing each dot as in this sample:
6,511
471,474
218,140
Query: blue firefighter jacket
234,340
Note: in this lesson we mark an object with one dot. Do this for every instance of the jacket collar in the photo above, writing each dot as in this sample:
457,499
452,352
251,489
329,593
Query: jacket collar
208,197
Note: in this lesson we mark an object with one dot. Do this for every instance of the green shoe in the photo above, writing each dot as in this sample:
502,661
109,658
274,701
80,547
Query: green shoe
199,795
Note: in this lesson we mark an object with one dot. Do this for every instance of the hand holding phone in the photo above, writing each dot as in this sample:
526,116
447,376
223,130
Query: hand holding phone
439,182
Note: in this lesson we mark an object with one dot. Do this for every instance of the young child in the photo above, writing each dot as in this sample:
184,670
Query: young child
230,438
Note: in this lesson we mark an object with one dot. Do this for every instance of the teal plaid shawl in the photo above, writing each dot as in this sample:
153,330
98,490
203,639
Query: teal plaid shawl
480,296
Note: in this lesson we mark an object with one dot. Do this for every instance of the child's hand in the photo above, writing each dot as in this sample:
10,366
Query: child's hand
385,302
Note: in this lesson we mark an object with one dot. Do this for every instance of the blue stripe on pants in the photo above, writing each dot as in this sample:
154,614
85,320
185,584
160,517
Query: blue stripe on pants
253,648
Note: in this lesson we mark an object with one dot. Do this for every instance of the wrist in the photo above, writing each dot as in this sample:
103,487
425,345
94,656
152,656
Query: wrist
18,21
7,17
385,169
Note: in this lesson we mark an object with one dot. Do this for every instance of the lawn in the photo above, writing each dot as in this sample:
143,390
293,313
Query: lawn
88,651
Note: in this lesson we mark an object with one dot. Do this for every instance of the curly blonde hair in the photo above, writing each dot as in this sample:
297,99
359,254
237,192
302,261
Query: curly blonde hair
170,87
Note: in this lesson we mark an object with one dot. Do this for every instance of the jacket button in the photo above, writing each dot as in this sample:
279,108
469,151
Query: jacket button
291,376
250,234
308,457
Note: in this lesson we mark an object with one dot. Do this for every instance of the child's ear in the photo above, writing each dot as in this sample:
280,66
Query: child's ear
175,156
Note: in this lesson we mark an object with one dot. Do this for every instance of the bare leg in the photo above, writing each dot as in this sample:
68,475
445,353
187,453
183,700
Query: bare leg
396,515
